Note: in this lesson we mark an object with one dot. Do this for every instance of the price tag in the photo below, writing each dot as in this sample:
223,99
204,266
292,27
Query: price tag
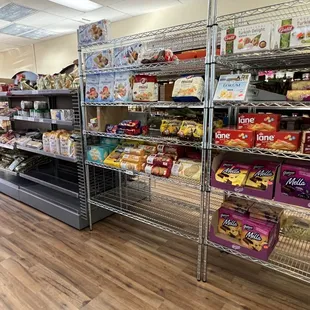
129,172
41,120
54,121
232,87
31,119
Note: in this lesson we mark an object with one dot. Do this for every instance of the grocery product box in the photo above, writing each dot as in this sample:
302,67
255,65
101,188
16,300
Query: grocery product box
98,153
98,60
292,32
123,86
278,140
259,122
244,39
244,174
305,148
235,138
106,87
97,32
128,55
293,184
255,239
298,95
92,88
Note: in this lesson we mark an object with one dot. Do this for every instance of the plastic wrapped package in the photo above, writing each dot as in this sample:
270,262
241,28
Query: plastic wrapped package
114,159
170,127
145,88
185,168
188,89
296,227
158,171
126,165
160,161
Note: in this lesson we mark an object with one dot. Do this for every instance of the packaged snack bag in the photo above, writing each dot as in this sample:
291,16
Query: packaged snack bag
158,171
46,141
188,89
160,161
64,143
170,127
186,168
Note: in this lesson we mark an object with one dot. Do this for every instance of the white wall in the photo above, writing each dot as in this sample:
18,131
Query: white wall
51,56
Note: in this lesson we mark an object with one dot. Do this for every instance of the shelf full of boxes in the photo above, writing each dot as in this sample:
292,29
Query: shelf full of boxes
41,158
261,169
144,160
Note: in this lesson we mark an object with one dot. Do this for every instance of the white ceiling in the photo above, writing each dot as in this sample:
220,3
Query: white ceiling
48,19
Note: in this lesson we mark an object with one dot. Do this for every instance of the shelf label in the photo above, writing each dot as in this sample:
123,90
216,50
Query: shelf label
232,87
35,92
129,172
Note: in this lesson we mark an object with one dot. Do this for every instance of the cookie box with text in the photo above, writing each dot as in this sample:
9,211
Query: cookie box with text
235,138
259,122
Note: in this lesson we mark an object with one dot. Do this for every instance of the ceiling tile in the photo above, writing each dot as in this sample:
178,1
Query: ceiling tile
107,2
103,13
63,11
13,12
16,29
39,5
138,7
40,19
65,26
4,23
38,34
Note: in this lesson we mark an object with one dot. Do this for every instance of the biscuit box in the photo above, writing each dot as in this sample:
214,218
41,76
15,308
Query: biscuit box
230,223
235,138
259,122
98,153
305,148
232,173
236,204
261,175
258,235
265,212
278,140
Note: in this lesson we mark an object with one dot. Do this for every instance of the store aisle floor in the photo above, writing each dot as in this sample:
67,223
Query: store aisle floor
45,264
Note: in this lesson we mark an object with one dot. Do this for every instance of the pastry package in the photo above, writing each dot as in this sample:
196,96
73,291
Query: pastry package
190,130
123,86
106,87
235,138
158,171
134,158
46,141
296,228
126,165
128,55
295,181
237,204
55,141
230,223
186,168
301,85
130,124
176,150
97,32
160,161
258,235
35,145
149,149
134,151
72,145
232,173
145,88
261,175
291,32
64,143
252,38
278,140
170,127
114,159
92,88
259,122
188,89
98,60
154,55
298,95
265,212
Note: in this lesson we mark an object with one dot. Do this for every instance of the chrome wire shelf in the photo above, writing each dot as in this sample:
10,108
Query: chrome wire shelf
42,120
177,67
174,180
7,146
266,152
158,104
263,104
159,139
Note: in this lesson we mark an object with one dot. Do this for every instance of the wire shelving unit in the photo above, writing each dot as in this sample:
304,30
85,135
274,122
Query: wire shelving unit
290,256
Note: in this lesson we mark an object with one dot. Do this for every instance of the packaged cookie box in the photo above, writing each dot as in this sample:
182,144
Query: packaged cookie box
243,174
254,239
253,38
188,89
106,87
123,86
235,138
259,122
278,140
98,60
92,88
145,88
97,32
128,55
98,153
292,32
293,184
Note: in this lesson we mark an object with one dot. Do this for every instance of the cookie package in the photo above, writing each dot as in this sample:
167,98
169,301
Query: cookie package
235,138
237,204
259,122
230,223
98,60
97,32
265,212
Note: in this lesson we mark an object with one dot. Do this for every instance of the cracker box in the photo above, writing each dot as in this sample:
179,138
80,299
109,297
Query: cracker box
295,181
97,32
123,86
98,60
232,173
235,138
280,140
230,223
261,175
258,235
92,88
259,122
106,87
251,38
292,32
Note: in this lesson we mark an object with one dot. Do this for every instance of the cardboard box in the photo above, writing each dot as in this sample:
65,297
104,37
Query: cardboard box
259,122
280,140
305,148
305,137
235,138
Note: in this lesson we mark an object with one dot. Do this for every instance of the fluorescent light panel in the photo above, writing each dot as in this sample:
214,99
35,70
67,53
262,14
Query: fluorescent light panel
12,12
16,29
80,5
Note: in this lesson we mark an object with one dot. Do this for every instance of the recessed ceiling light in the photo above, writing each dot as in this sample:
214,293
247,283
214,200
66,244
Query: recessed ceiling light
80,5
38,34
16,29
12,12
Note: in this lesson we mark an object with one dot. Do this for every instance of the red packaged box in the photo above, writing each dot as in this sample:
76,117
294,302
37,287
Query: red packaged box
259,122
235,138
278,140
305,148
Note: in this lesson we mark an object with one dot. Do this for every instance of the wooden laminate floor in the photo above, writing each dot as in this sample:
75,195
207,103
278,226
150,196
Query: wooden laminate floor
121,264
